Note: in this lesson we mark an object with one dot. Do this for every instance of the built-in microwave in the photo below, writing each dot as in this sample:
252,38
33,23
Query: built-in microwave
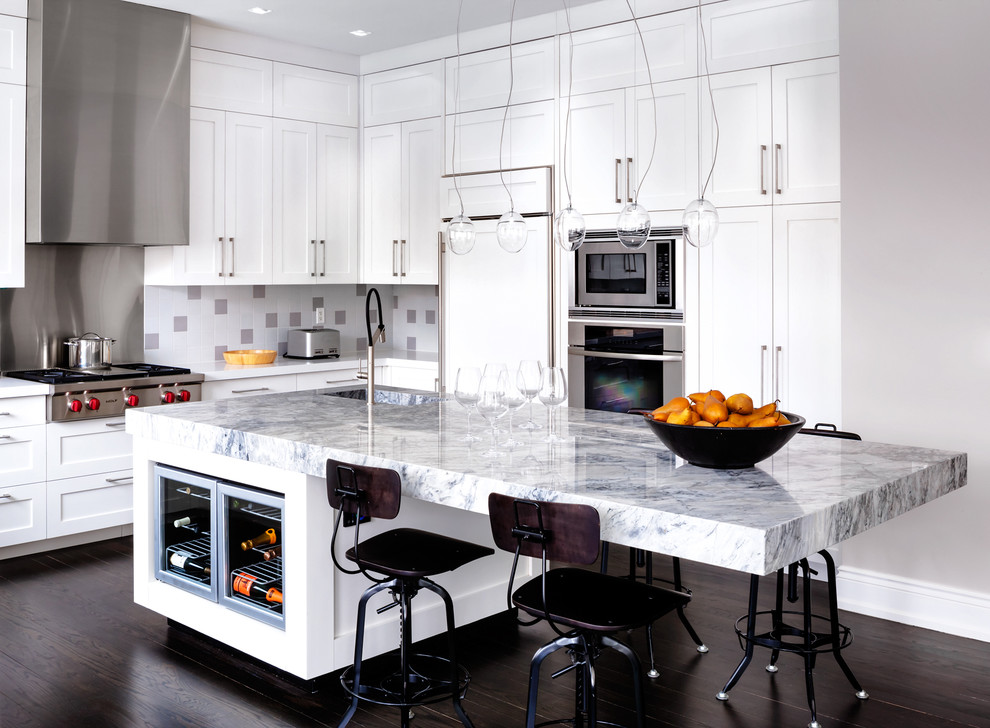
608,274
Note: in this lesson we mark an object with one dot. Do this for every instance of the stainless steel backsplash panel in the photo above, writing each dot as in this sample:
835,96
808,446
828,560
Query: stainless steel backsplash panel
69,290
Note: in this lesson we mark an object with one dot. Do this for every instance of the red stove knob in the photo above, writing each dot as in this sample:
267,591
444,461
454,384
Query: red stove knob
184,395
93,403
131,400
168,397
75,405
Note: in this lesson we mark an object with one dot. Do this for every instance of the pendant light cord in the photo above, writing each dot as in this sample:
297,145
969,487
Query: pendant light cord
505,114
570,81
457,84
711,98
653,96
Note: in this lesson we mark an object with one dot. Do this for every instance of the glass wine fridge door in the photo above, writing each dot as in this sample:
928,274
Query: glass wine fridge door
251,552
186,523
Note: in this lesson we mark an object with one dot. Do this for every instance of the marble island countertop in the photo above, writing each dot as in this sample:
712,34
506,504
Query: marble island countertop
812,494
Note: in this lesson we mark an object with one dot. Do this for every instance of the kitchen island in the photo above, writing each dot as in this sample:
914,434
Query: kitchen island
814,493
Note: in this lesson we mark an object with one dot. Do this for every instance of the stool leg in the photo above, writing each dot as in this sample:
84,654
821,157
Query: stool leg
405,648
637,680
777,619
455,677
809,655
833,615
754,588
589,683
702,647
534,673
359,648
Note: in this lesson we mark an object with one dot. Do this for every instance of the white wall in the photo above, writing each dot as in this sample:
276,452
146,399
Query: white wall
916,291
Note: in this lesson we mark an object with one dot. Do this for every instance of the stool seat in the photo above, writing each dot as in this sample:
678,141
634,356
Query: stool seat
411,553
589,600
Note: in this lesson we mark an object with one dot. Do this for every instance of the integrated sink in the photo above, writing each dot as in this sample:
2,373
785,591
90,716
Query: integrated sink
388,395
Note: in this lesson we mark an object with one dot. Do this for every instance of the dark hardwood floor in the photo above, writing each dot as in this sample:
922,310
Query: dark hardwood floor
75,651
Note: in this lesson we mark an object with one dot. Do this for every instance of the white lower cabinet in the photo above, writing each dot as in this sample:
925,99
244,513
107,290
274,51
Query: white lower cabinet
22,513
328,378
248,386
424,379
89,447
89,502
22,454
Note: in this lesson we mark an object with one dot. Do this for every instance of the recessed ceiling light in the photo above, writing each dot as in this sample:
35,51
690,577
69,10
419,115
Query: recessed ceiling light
259,11
360,33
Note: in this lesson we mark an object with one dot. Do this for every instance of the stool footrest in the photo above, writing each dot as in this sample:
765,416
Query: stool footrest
787,638
429,681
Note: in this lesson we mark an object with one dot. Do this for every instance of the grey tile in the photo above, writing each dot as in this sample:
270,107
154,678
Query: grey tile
411,316
258,292
411,346
283,347
339,318
194,293
317,301
295,318
218,356
180,323
431,317
360,290
247,336
271,320
220,306
151,341
395,303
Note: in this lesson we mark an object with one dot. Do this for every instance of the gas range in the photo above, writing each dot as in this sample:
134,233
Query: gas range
83,394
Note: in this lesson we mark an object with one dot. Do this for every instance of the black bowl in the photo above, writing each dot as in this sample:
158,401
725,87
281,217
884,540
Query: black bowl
725,447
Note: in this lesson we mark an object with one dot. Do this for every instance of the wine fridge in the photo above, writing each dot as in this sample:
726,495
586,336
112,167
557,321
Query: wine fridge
222,541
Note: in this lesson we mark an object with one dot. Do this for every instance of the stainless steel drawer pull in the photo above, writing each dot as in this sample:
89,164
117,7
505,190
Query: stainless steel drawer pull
4,414
395,248
116,424
402,258
248,391
628,183
123,479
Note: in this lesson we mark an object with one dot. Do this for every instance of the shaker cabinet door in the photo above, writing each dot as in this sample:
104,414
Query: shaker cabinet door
295,200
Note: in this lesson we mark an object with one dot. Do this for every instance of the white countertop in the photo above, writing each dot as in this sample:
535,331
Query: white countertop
219,370
813,493
10,387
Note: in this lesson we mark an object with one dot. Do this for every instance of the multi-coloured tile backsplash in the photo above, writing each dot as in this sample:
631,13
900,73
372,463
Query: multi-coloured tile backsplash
188,324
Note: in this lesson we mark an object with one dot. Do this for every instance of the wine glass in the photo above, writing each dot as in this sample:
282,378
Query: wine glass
495,369
528,382
466,387
514,399
553,392
491,405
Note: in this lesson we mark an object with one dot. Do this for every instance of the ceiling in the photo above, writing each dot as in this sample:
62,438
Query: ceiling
327,24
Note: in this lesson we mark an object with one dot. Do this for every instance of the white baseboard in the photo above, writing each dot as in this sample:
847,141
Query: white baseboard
921,604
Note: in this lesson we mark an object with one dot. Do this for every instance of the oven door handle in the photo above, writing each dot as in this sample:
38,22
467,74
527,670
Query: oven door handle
581,351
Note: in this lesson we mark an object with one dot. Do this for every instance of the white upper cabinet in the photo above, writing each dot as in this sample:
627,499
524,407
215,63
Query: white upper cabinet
480,146
13,50
754,33
403,94
483,82
337,203
12,112
230,82
593,155
311,94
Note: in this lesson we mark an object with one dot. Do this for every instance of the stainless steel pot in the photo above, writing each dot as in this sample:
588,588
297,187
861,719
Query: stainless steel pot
90,351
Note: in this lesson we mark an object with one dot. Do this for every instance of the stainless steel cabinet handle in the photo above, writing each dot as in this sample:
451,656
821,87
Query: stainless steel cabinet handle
223,256
4,414
776,169
628,185
395,247
231,274
8,496
763,171
6,437
763,372
313,243
115,424
247,391
776,374
618,163
323,247
123,479
402,259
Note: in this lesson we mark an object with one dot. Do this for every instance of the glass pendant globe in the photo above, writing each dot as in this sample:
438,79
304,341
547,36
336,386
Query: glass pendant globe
511,232
700,221
569,229
633,225
460,235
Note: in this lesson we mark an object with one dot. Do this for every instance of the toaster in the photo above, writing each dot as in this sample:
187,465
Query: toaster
313,343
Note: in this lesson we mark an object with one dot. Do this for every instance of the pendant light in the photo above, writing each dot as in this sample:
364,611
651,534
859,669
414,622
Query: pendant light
700,218
511,230
460,230
633,225
569,228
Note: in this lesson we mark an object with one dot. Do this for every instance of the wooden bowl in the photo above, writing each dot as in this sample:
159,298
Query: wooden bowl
249,356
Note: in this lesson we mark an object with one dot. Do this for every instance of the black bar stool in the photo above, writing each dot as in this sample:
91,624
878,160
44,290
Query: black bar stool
584,607
405,557
815,635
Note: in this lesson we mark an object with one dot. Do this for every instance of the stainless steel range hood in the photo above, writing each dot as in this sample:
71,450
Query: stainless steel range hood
108,123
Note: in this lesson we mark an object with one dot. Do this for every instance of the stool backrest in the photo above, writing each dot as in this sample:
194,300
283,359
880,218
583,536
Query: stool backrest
374,492
570,532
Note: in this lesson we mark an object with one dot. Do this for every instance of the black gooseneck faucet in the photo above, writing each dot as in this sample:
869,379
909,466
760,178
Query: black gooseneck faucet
377,337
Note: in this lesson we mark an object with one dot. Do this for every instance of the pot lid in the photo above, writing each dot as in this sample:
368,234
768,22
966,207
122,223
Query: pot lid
90,336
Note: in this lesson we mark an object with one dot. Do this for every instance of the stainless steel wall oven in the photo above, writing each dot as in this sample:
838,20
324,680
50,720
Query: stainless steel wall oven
607,273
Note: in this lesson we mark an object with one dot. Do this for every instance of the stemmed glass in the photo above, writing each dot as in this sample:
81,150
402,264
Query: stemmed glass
491,405
528,382
553,392
466,387
514,399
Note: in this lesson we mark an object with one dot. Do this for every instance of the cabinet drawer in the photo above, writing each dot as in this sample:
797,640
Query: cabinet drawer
21,411
413,378
75,505
22,455
87,448
320,380
22,514
249,386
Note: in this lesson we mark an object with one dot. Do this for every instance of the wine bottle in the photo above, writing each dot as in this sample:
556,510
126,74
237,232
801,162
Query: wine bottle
191,565
246,585
270,554
263,540
180,522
